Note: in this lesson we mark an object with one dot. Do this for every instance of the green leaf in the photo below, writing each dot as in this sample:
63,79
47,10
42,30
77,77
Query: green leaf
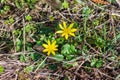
6,8
22,58
67,65
72,49
53,67
2,1
86,11
29,28
100,42
1,69
59,57
112,1
68,49
35,56
65,49
65,4
99,63
29,69
96,63
60,40
69,57
11,20
51,18
28,17
18,4
93,62
33,1
18,44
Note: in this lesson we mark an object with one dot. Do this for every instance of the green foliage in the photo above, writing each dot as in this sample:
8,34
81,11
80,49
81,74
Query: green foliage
59,57
28,17
22,58
21,4
68,51
67,65
29,28
29,69
5,9
87,11
51,18
9,21
111,1
2,1
53,67
44,29
99,42
96,62
60,40
35,56
1,69
18,44
65,4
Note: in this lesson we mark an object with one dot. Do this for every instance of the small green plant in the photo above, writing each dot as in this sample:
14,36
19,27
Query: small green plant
68,51
65,4
96,62
1,69
28,17
5,9
29,69
100,42
21,4
9,21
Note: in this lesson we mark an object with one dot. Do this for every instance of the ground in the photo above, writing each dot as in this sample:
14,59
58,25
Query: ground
89,50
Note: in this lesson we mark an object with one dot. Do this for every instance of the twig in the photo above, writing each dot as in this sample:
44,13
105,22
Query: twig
104,74
24,37
41,64
115,40
78,68
92,48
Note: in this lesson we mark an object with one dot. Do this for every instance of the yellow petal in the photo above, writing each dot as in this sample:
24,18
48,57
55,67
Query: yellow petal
66,36
45,45
71,25
55,49
45,50
72,34
48,53
73,30
60,31
56,45
63,34
49,43
61,27
53,52
64,24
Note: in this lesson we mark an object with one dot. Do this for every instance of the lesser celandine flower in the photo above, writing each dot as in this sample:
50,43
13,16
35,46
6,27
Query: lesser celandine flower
66,31
50,47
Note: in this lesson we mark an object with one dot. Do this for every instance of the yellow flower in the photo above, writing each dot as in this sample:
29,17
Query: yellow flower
50,47
66,31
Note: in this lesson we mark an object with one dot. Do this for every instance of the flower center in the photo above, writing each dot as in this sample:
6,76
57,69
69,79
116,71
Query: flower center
66,30
51,48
